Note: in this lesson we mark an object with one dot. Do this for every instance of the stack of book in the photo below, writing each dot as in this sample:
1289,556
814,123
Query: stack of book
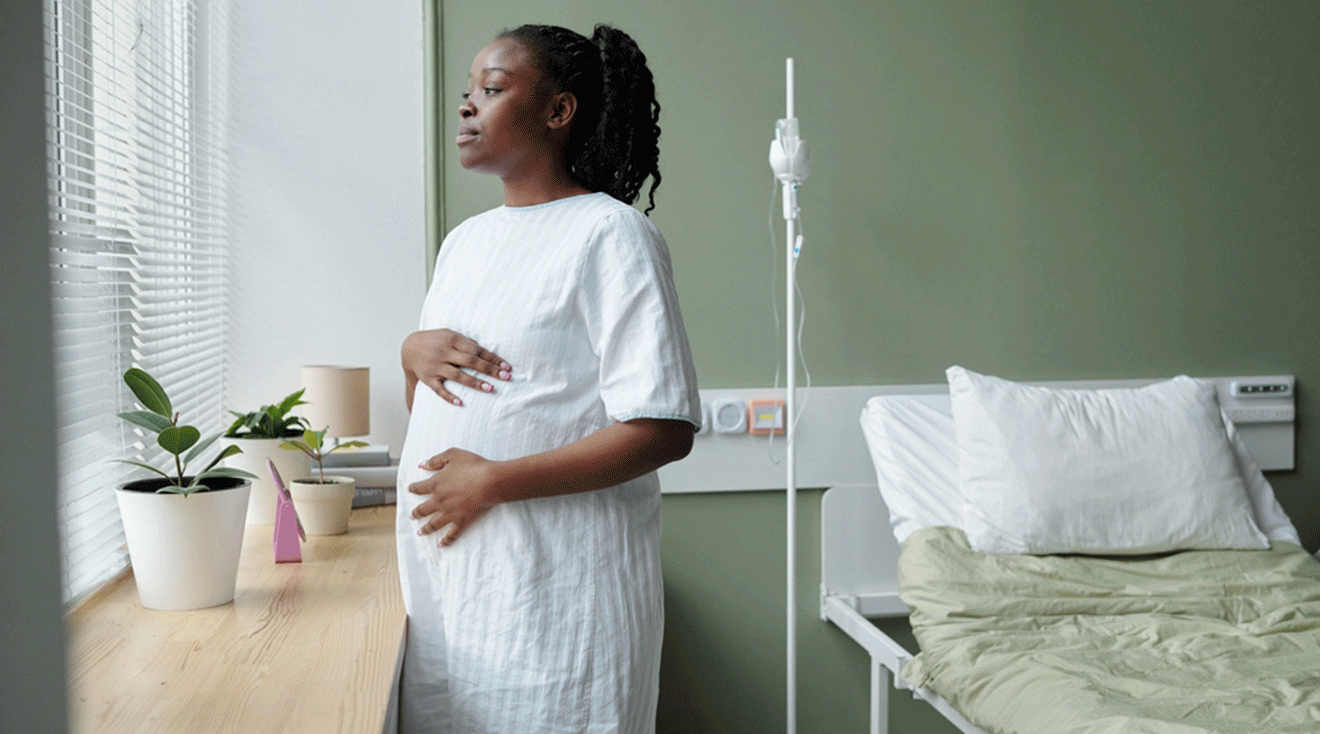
372,469
373,455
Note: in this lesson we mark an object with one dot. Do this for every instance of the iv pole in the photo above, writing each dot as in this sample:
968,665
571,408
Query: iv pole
791,164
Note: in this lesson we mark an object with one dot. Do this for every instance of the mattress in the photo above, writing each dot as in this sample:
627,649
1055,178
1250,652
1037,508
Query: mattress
1181,643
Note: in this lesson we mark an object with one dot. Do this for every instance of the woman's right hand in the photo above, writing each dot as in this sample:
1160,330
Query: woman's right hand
436,356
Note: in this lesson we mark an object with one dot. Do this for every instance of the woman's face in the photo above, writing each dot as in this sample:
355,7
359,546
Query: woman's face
502,120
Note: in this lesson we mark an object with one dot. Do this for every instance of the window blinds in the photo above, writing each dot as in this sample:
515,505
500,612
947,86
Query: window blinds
136,140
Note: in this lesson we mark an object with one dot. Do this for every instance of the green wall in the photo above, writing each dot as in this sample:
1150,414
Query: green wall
33,698
1037,190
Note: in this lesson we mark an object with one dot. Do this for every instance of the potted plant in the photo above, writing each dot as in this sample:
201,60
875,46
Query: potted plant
184,532
259,435
324,502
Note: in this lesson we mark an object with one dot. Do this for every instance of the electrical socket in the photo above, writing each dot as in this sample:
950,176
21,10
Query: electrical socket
729,416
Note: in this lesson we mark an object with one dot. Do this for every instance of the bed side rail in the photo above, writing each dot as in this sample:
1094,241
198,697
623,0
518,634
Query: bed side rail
846,612
849,613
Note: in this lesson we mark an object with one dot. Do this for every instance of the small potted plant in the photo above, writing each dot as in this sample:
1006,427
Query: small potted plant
259,435
324,502
184,532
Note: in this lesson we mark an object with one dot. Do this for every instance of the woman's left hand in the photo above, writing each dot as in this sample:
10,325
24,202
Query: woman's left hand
462,490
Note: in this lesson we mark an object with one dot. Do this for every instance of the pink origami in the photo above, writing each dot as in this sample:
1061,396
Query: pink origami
288,528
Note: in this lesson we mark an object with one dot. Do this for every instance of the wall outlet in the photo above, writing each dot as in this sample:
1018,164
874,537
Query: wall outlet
729,416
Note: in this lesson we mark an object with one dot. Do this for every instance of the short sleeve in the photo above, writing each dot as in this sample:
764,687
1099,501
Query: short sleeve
627,296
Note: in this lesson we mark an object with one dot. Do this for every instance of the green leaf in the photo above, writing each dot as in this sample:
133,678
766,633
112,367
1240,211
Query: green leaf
229,451
269,421
148,392
148,467
178,439
185,491
200,447
348,445
296,445
291,402
314,438
232,430
267,425
148,420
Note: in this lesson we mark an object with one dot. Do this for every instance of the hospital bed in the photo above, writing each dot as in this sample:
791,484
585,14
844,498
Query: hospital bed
861,558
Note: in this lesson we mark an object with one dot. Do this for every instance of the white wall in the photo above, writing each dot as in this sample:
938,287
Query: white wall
328,198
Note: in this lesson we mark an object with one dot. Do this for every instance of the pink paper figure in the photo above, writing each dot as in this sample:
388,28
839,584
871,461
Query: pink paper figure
287,547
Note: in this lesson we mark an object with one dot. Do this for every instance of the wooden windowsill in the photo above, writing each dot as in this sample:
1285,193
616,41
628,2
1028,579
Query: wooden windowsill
304,647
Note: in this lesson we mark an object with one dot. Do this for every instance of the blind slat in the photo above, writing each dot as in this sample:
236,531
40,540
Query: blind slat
137,195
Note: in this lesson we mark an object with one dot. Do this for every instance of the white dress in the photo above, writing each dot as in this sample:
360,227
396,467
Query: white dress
546,615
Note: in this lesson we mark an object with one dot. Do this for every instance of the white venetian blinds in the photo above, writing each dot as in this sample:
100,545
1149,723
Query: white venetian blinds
136,126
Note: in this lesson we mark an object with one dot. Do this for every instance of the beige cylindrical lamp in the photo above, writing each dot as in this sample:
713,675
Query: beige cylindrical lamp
338,398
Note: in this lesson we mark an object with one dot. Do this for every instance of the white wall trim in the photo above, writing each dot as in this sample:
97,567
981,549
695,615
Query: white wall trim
831,451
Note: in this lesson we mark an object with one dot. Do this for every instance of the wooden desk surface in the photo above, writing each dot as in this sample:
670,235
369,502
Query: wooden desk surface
304,647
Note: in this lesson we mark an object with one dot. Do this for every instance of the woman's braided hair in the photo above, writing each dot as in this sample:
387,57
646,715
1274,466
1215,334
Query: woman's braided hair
613,144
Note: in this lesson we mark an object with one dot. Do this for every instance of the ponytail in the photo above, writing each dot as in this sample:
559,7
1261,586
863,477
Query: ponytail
614,142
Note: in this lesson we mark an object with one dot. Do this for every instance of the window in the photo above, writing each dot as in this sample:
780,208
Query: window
137,183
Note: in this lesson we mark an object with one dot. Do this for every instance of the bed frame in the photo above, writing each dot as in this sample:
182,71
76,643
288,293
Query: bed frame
859,555
859,582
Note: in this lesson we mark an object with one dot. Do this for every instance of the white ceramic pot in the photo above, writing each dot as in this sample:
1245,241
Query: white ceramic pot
323,508
291,464
184,550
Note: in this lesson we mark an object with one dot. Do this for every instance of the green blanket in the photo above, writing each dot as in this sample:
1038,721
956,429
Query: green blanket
1184,643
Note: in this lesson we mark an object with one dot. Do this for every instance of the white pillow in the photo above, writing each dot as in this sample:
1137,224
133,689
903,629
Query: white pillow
915,454
1123,471
911,441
